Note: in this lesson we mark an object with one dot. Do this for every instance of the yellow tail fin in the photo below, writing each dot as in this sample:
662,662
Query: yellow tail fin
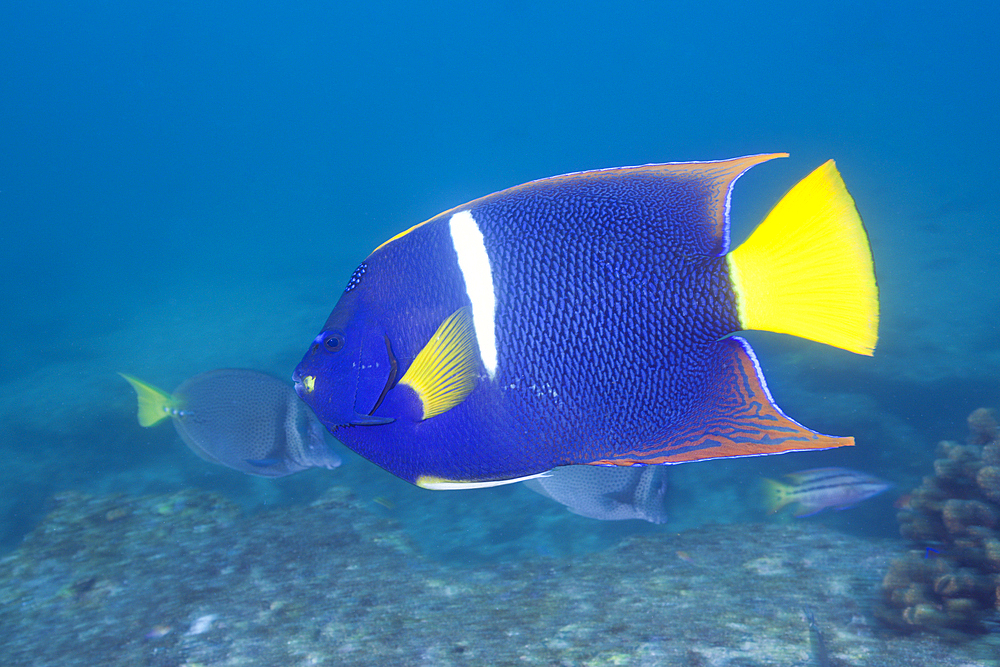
807,270
776,495
154,404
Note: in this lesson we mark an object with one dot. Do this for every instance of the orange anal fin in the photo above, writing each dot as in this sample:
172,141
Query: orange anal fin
736,417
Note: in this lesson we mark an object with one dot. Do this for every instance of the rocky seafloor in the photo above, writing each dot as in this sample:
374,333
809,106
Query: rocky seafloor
186,579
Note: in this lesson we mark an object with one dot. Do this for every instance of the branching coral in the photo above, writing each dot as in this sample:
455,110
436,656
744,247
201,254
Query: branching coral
952,584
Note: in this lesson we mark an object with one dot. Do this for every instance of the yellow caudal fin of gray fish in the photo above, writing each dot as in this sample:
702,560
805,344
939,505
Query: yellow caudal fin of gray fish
445,371
154,404
776,495
807,270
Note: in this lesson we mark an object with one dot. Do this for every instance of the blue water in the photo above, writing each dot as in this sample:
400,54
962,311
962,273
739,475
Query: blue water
187,186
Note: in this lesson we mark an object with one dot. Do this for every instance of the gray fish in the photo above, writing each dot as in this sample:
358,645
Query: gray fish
608,493
242,419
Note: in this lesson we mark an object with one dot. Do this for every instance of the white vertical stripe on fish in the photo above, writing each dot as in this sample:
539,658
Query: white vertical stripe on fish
474,262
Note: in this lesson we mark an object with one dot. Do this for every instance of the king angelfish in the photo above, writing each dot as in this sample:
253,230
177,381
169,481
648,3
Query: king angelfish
588,319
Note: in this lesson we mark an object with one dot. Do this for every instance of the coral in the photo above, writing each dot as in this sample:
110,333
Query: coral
991,454
951,584
982,426
988,479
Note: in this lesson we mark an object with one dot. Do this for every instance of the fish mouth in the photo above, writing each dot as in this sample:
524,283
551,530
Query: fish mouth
304,385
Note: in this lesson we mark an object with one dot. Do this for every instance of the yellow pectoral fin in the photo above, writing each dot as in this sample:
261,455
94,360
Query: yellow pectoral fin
154,404
807,270
445,371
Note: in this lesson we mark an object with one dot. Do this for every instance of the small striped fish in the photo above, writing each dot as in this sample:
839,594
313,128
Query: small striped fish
820,488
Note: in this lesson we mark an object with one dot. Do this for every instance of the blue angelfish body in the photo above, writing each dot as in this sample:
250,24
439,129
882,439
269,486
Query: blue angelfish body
580,319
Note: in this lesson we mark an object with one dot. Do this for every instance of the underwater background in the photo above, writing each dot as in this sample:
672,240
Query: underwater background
188,186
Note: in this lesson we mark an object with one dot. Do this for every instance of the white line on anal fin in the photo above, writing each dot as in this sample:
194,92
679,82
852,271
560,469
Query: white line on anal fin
474,263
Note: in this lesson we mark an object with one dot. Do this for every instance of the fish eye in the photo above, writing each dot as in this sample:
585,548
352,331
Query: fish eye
333,341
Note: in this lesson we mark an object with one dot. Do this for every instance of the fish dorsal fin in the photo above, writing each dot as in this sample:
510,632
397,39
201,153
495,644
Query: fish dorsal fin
708,185
154,404
814,474
736,417
717,177
445,370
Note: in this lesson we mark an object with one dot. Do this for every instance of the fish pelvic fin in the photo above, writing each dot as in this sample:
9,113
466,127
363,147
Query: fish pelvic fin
446,369
440,484
154,404
776,495
807,270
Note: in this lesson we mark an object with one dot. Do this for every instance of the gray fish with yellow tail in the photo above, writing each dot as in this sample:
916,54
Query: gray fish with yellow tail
588,319
242,419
